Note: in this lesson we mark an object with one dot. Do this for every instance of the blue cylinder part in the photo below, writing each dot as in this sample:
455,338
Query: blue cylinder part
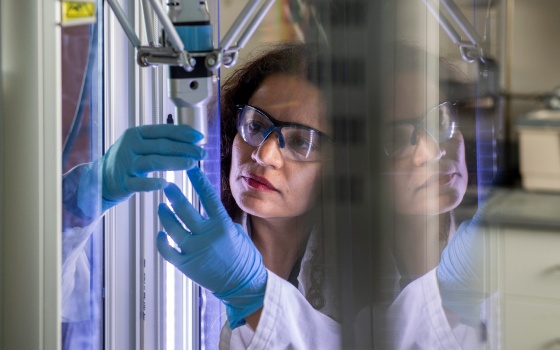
196,38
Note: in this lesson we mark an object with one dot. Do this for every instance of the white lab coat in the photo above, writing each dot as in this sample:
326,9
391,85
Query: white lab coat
76,274
416,320
288,321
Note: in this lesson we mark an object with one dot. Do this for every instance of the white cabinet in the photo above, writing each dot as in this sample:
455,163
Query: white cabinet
532,262
527,228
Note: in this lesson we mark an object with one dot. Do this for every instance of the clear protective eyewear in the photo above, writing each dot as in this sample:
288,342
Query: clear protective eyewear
297,142
439,123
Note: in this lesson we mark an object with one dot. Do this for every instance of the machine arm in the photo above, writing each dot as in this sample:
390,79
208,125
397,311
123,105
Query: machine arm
186,46
471,49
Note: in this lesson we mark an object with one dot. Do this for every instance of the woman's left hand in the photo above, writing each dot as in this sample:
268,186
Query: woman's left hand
214,252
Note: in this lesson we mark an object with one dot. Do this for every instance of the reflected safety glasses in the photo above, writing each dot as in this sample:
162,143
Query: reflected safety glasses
401,136
297,142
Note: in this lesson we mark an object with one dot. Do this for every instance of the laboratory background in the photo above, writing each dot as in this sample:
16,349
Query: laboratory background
474,84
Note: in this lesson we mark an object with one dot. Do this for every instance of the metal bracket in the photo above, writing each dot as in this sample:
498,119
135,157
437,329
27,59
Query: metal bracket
242,29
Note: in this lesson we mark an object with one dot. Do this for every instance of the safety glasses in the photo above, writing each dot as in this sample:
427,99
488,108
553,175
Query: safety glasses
439,123
297,142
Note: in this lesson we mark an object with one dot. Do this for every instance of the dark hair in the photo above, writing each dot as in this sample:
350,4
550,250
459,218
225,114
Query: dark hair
297,59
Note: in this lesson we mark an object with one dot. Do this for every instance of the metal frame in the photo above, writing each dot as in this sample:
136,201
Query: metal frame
473,48
135,274
121,278
226,54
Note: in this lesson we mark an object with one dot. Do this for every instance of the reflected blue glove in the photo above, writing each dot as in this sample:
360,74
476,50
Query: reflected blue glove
461,272
216,253
124,168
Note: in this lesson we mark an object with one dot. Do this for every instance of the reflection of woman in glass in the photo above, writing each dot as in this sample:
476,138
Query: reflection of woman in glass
426,154
275,148
429,177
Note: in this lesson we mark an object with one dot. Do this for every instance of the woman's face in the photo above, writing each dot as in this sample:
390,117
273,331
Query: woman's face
262,181
431,178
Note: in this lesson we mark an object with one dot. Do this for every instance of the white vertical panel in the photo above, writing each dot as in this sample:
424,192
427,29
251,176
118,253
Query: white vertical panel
31,175
149,260
121,278
148,106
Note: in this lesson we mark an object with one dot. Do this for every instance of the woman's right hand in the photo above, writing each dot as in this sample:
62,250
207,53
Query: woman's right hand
145,149
123,170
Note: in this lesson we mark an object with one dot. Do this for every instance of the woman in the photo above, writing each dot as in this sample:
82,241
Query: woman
283,85
275,148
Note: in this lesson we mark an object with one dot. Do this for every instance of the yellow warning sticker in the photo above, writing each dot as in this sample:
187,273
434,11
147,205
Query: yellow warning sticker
78,12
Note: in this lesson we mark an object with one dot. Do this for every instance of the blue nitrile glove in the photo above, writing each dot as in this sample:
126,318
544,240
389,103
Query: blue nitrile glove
123,169
461,275
215,253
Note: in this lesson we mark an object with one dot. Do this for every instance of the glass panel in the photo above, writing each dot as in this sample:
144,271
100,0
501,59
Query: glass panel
409,188
82,239
429,250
